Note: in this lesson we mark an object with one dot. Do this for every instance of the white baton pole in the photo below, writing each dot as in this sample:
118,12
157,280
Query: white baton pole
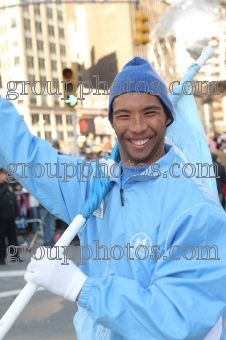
28,291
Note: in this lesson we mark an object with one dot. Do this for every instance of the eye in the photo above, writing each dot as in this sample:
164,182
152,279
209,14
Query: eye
150,113
123,116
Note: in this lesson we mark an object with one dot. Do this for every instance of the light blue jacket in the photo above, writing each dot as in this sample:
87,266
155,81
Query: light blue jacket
132,294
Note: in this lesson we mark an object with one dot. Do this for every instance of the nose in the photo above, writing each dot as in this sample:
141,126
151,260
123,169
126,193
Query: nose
138,124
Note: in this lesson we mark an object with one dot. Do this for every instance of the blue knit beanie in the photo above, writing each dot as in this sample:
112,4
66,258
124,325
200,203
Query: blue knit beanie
139,76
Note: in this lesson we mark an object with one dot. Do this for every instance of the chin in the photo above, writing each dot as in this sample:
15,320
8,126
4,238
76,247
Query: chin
138,159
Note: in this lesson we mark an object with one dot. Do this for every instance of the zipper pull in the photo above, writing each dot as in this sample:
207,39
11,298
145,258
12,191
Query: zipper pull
121,197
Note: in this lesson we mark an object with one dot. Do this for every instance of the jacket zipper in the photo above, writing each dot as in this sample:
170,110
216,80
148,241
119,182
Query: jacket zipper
121,197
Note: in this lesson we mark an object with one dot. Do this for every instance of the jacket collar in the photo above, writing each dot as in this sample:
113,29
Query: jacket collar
152,172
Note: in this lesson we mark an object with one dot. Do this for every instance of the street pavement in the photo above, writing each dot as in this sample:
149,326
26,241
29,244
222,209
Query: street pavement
46,317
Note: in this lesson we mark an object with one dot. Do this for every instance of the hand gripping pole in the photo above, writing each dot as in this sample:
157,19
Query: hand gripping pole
28,291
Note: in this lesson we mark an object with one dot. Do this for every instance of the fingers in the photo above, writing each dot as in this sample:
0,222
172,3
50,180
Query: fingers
29,277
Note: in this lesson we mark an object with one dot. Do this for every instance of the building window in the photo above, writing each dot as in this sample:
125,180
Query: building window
62,50
60,135
43,80
36,10
27,25
55,82
13,23
68,120
58,119
16,61
49,13
56,101
15,43
41,63
46,119
34,118
51,30
59,16
26,9
28,43
33,100
61,32
48,136
31,78
30,61
40,45
63,65
70,134
54,65
38,27
52,48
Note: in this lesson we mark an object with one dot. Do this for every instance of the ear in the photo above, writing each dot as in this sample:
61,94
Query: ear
168,121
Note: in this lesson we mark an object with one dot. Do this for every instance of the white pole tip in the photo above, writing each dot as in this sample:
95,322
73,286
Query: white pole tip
209,51
206,54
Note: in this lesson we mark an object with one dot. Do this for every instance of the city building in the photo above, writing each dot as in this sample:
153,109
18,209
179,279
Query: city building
177,41
103,37
33,52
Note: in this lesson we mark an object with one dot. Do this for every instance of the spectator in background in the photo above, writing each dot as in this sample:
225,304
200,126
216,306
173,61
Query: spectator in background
49,220
8,213
83,153
56,145
49,226
212,142
220,179
22,199
34,212
219,151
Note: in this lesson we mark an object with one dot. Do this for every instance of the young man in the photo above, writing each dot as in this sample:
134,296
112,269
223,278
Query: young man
156,249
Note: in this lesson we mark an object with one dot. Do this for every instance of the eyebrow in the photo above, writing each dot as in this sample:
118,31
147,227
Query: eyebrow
120,110
152,106
149,107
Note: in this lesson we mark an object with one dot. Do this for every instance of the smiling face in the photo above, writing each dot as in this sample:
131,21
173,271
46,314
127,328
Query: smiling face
139,121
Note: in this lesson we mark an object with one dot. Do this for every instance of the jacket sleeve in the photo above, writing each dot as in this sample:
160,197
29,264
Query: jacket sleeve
185,298
56,181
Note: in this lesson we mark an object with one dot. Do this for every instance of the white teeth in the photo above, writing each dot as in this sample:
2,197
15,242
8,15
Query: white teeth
140,142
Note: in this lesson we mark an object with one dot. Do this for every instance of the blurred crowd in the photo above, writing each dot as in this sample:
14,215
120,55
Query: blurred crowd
22,216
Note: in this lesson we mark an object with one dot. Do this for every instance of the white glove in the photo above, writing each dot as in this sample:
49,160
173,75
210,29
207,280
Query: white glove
63,280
